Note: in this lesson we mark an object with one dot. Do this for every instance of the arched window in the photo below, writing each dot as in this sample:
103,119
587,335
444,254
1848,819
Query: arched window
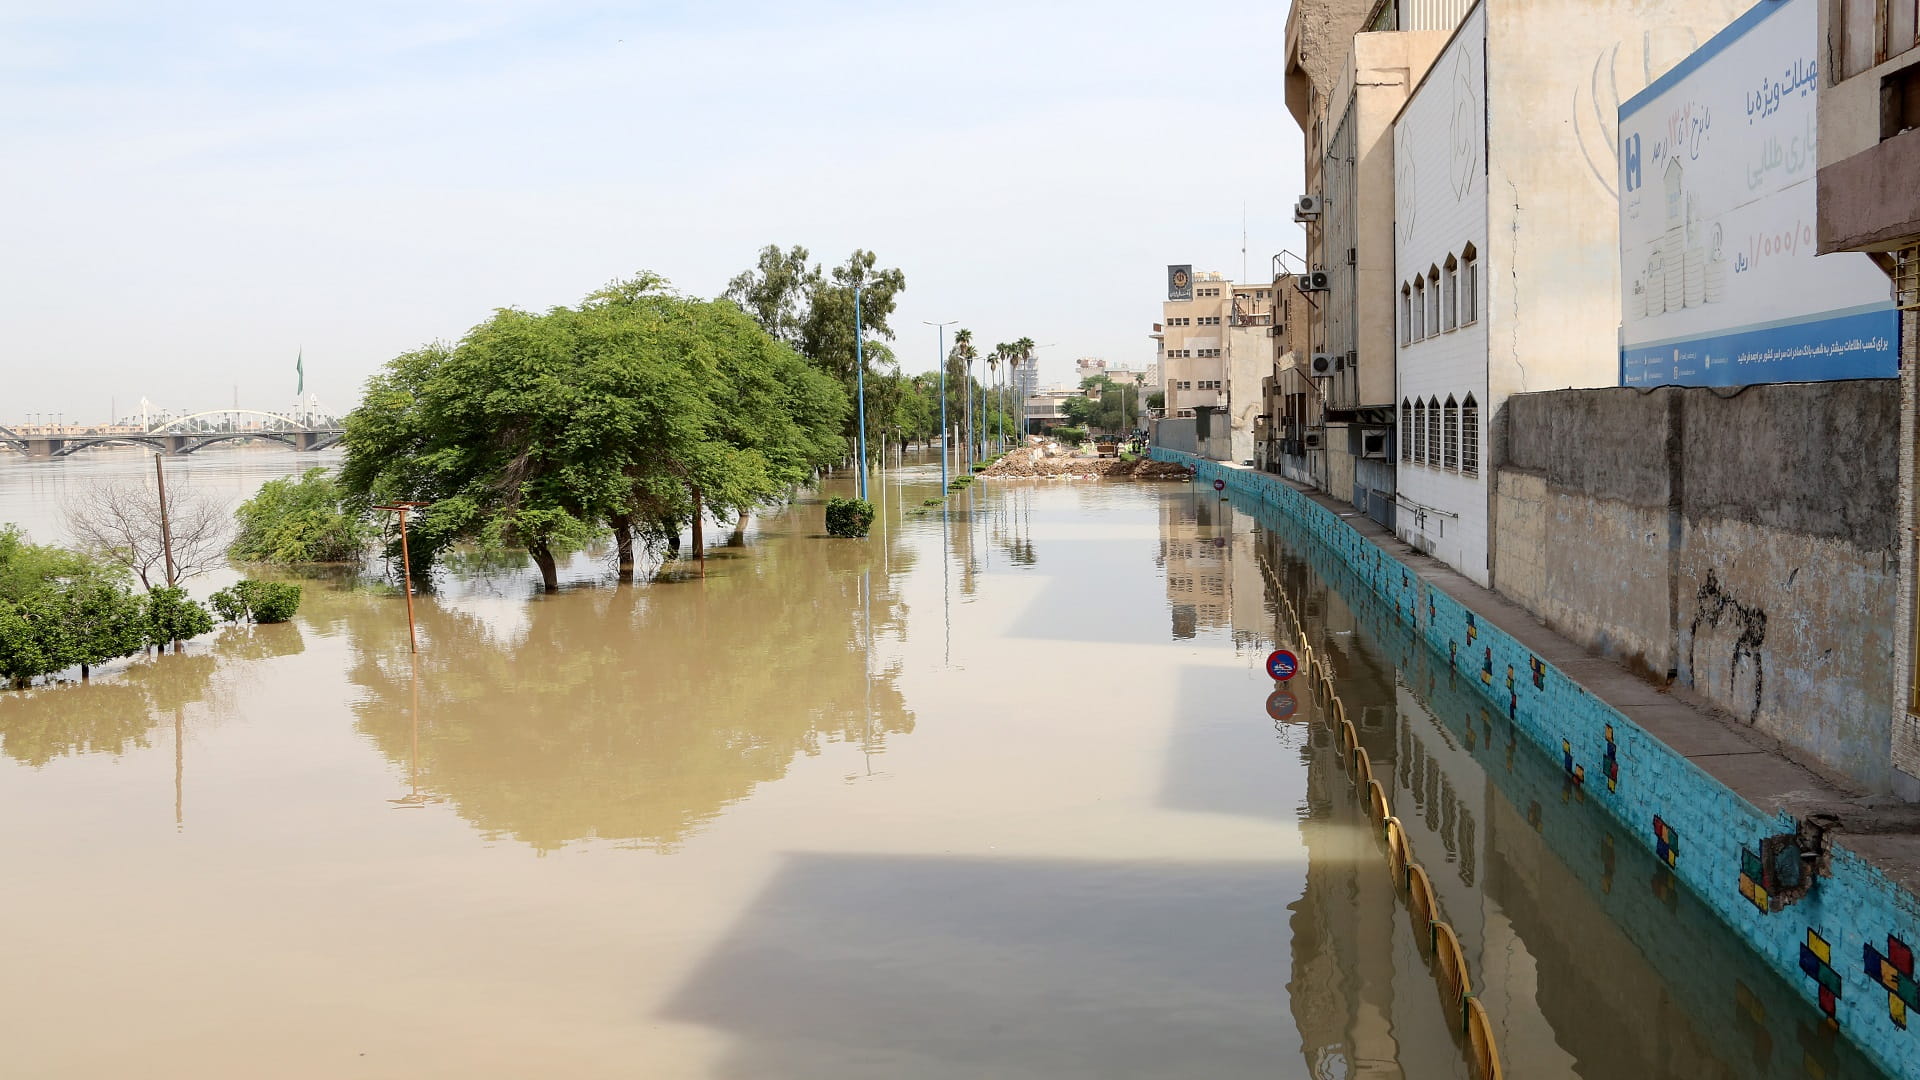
1433,299
1470,436
1433,432
1406,430
1420,431
1450,432
1419,308
1469,286
1406,314
1450,300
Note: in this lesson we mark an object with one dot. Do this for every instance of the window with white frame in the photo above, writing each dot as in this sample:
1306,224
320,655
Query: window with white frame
1420,432
1406,314
1433,432
1433,300
1419,308
1450,432
1470,436
1450,298
1469,286
1406,430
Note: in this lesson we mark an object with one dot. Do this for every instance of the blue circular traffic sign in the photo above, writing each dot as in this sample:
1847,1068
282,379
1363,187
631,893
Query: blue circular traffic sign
1219,485
1282,665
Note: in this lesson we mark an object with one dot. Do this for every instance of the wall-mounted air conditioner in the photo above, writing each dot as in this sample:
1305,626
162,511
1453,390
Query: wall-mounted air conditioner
1312,440
1307,208
1314,282
1373,444
1322,363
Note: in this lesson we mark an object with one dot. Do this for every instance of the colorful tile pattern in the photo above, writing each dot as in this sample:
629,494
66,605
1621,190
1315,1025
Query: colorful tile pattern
1894,970
1753,879
1816,962
1578,772
1666,842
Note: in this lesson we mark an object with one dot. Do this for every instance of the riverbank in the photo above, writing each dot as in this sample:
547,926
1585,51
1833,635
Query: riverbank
1701,794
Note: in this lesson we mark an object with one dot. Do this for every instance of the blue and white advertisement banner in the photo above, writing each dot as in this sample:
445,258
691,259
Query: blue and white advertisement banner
1719,282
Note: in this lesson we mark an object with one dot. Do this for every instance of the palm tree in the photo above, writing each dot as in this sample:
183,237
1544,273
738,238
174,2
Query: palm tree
993,372
1013,368
1024,349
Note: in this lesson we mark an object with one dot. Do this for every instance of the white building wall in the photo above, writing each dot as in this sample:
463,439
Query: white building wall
1440,211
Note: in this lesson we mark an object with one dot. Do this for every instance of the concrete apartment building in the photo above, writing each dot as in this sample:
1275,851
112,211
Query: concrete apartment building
1192,357
1868,199
1506,269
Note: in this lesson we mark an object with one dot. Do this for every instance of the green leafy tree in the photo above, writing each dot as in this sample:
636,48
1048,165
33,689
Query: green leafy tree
103,622
171,615
309,519
257,601
637,410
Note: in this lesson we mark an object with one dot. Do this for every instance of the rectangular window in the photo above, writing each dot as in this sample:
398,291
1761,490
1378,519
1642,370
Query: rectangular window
1420,432
1470,437
1450,436
1449,309
1433,434
1406,315
1433,304
1469,289
1419,308
1406,431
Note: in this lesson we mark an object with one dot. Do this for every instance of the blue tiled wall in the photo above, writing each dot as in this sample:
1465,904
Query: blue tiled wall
1704,826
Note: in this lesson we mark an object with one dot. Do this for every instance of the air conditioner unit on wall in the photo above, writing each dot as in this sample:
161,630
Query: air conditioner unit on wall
1373,444
1313,282
1306,208
1322,363
1312,440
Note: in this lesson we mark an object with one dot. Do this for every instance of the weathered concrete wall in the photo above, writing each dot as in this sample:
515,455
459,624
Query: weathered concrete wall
1742,544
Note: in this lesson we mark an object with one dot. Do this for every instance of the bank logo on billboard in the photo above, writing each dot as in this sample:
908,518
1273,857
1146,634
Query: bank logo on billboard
1719,283
1180,282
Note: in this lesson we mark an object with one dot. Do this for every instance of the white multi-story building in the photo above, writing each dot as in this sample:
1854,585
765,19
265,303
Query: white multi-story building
1506,235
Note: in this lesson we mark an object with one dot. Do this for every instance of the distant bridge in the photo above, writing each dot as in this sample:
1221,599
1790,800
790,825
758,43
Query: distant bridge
182,435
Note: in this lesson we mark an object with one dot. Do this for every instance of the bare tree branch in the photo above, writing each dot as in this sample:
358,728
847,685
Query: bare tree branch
119,521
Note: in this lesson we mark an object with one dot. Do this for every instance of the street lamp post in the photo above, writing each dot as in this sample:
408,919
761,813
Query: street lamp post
860,380
941,327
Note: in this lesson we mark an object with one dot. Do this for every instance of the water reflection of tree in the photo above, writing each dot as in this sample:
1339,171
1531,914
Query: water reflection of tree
636,713
105,716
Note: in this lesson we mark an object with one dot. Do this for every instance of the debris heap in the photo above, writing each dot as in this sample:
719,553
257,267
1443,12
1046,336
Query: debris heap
1051,460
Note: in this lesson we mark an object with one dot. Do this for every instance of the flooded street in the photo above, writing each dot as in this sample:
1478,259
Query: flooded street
994,793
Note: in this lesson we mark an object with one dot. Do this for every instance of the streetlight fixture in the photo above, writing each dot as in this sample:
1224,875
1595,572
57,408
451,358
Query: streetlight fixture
942,328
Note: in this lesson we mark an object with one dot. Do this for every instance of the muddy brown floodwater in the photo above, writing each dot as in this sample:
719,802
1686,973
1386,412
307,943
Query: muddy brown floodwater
993,793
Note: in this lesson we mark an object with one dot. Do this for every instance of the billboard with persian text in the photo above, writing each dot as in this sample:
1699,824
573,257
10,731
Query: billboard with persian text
1719,282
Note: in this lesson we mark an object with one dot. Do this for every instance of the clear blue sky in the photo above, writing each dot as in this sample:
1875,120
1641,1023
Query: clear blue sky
196,191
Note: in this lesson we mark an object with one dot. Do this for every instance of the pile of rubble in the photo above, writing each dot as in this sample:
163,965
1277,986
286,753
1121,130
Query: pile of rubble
1051,460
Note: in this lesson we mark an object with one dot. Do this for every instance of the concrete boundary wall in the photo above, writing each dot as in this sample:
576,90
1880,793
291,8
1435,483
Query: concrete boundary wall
1702,829
1741,545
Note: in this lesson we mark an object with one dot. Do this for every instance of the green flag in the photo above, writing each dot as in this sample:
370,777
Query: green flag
300,369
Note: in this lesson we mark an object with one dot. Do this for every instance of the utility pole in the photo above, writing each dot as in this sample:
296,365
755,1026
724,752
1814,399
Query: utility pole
166,534
406,567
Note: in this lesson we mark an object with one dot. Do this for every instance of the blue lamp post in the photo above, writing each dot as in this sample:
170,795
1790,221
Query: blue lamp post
942,328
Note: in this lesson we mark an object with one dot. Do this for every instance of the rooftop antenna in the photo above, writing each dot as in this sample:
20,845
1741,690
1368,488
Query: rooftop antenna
1243,240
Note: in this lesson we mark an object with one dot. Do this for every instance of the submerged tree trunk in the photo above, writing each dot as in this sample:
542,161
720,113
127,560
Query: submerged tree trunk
549,569
672,530
623,542
739,537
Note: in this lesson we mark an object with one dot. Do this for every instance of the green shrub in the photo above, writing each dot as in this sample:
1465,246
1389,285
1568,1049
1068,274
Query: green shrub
981,466
931,502
304,520
174,616
1070,436
849,517
959,482
261,601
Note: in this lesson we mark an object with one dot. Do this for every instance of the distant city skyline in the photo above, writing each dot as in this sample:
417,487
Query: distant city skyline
214,193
